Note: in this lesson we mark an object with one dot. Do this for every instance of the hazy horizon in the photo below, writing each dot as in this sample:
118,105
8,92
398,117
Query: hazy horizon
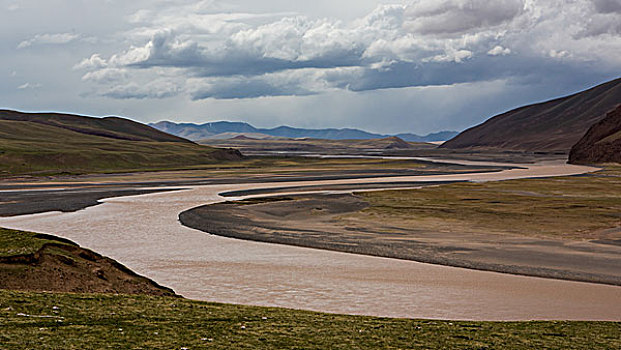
386,67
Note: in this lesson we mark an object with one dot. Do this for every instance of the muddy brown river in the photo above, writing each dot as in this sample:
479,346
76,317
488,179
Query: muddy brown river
143,233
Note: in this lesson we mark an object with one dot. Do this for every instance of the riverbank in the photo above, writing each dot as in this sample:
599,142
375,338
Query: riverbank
22,196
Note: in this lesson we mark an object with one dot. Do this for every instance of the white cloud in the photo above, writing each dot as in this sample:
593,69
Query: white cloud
215,53
559,54
29,86
499,51
48,39
93,62
106,76
453,56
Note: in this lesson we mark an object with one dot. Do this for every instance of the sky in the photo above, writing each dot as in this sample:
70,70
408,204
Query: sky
384,66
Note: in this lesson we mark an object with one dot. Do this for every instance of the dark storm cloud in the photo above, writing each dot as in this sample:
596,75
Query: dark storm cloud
244,88
608,6
458,16
515,69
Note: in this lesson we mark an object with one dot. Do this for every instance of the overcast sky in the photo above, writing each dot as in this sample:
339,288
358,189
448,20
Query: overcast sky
385,66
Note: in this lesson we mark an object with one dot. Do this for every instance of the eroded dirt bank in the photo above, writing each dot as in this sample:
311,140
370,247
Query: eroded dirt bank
59,265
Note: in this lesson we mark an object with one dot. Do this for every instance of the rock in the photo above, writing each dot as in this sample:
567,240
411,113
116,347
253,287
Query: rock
601,143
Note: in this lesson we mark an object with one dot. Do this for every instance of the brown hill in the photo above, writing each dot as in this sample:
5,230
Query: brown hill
109,127
552,126
393,142
243,137
602,143
38,262
50,143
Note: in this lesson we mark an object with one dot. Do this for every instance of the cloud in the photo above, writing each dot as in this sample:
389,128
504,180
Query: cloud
154,90
559,54
235,88
459,16
499,51
106,76
291,43
456,56
29,86
49,39
604,20
607,6
204,53
300,82
91,63
164,49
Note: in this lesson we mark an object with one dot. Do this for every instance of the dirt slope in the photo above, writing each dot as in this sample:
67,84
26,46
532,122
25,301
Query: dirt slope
601,144
553,126
38,262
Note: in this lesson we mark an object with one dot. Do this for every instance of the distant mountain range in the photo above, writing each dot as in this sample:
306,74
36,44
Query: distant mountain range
225,129
552,126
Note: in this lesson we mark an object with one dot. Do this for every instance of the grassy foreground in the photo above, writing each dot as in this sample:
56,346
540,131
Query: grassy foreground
92,321
574,207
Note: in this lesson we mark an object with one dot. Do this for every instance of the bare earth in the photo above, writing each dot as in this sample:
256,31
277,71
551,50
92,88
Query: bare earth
62,266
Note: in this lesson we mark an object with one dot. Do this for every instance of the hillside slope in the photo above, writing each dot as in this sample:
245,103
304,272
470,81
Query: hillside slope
601,144
61,143
552,126
111,127
37,262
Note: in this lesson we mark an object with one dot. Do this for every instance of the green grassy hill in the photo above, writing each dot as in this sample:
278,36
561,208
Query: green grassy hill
33,143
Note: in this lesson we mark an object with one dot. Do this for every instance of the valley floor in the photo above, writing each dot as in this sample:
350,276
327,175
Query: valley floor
77,321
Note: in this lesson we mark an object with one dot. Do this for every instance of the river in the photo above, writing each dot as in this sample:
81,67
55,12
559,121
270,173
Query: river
143,233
